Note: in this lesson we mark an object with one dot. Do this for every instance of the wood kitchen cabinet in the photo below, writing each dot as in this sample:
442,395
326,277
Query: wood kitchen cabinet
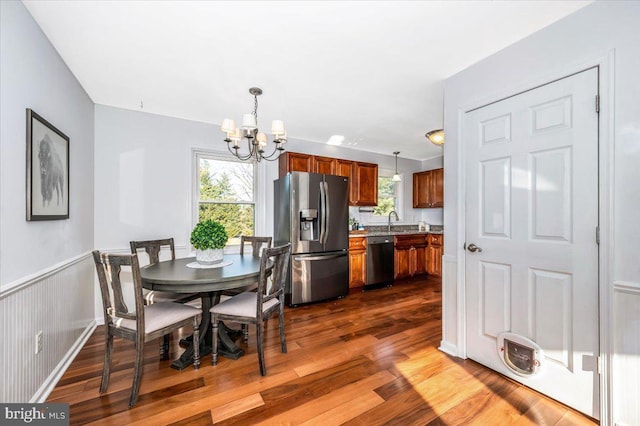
294,162
346,168
363,177
324,165
428,189
357,261
410,255
434,254
365,180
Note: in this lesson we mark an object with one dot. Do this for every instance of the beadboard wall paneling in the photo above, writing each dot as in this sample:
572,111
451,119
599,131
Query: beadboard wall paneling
58,302
626,353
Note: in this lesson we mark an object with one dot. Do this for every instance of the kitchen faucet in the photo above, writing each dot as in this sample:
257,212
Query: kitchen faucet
389,221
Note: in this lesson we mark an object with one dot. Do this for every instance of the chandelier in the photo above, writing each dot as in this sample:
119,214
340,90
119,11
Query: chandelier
256,140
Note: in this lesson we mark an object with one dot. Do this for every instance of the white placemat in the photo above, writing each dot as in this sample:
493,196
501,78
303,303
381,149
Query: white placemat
197,265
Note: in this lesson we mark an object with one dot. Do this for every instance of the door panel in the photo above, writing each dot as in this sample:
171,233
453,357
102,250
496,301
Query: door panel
532,206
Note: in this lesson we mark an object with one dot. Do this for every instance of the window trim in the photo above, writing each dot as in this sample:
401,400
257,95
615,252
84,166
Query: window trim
399,196
196,155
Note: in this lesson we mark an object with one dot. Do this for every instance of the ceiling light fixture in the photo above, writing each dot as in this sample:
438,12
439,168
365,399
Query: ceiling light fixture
396,177
256,140
436,137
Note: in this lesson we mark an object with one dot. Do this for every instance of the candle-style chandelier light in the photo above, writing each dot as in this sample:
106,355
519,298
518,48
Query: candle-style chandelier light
256,140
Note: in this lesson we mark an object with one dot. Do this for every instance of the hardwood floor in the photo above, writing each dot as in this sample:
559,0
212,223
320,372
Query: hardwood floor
368,359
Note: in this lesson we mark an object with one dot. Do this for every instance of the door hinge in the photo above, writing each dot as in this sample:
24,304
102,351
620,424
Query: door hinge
598,235
597,103
599,364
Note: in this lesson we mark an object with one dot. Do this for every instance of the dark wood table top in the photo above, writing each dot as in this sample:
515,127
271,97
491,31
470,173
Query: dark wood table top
175,276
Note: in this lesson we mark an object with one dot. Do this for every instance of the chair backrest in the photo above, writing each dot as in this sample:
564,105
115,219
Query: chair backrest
274,263
257,243
153,247
108,267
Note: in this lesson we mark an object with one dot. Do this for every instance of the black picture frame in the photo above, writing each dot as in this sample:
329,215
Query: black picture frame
47,170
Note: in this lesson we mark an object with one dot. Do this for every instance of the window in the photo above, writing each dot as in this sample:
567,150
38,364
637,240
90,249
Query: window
226,193
389,196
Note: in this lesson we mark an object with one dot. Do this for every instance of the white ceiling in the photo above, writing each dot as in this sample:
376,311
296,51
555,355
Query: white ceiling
371,71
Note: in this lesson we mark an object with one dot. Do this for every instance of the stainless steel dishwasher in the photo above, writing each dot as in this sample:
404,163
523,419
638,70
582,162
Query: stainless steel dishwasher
379,261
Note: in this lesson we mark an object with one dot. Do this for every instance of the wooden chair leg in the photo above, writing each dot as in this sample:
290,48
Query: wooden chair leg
164,348
283,342
137,370
106,368
245,332
214,340
196,342
259,331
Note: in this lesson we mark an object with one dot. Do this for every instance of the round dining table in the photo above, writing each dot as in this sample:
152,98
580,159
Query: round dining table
175,276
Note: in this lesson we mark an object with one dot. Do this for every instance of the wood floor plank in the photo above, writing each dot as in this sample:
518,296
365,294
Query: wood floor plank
370,358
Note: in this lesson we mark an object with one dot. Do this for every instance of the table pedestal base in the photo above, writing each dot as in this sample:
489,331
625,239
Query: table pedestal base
227,336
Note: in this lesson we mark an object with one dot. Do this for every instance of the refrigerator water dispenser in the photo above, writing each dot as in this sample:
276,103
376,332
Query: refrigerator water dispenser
309,225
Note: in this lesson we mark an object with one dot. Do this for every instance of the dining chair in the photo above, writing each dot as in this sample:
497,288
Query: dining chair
257,244
141,324
256,307
153,249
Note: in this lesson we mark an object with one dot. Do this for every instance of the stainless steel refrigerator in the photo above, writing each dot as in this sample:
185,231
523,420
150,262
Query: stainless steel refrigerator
312,212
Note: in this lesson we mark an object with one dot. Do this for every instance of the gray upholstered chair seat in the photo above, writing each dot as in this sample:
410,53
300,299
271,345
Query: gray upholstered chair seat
158,316
242,305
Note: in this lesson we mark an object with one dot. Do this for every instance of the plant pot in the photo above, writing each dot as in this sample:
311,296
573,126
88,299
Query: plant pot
209,256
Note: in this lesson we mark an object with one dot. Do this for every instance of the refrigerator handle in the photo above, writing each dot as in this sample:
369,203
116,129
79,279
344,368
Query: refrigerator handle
322,212
328,212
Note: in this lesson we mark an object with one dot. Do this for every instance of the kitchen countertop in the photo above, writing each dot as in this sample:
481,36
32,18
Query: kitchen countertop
392,233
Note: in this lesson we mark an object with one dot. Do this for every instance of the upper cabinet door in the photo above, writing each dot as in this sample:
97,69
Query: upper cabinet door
437,188
366,176
428,189
324,165
294,162
346,168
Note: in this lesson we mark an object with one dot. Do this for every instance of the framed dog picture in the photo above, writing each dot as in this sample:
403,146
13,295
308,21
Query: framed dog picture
47,170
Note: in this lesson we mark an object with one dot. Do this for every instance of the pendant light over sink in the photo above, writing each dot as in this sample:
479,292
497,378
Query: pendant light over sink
396,177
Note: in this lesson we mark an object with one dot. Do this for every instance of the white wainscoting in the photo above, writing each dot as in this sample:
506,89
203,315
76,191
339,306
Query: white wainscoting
59,302
626,353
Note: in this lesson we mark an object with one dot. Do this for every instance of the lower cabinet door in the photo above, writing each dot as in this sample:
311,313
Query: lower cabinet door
357,269
402,263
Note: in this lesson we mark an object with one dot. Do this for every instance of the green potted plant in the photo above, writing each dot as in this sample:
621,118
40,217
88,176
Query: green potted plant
209,238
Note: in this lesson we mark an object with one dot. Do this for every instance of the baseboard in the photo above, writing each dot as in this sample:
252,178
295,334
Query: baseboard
448,348
50,383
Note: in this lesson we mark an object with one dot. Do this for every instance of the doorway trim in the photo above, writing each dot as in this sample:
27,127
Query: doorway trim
605,64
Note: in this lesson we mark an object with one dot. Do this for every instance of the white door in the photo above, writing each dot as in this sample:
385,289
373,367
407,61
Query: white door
532,208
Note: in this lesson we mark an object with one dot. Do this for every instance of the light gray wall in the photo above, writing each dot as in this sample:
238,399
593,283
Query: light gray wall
143,176
600,30
46,276
34,76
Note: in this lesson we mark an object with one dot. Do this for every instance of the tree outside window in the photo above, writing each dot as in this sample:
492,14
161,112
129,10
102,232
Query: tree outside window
388,197
226,194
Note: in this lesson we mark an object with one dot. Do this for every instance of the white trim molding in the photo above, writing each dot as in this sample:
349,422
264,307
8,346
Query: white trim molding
29,280
50,383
